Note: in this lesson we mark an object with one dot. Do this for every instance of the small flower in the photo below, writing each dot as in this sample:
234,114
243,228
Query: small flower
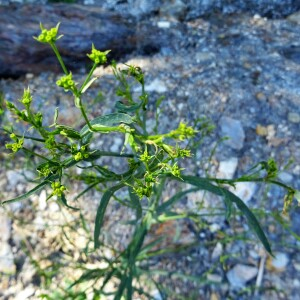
176,171
57,188
27,98
15,147
81,154
66,82
145,157
98,57
48,36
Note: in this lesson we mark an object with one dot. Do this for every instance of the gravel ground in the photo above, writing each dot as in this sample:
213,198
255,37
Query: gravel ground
241,71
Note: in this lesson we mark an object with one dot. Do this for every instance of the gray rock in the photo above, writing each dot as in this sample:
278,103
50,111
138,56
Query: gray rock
295,17
294,117
285,177
227,168
5,227
7,265
174,8
232,129
244,190
240,274
280,261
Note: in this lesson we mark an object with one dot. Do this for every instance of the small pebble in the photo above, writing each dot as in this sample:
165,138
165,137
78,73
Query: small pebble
294,117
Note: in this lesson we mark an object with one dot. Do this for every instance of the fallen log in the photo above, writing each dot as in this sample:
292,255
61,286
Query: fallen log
81,26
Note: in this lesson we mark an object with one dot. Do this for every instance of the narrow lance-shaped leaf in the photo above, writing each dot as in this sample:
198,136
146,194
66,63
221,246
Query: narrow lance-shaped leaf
101,211
32,191
107,121
254,224
63,200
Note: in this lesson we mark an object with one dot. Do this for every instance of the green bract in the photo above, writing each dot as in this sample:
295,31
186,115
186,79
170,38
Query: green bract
98,57
48,36
27,98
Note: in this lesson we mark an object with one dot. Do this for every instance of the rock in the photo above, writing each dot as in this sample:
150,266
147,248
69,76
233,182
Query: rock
7,265
295,17
227,168
43,200
174,8
261,130
26,293
260,96
202,57
156,85
234,131
278,263
217,252
214,277
5,227
244,190
294,117
285,177
240,274
20,54
163,24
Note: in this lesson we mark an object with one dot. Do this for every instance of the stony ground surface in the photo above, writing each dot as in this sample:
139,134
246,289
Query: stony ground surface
242,72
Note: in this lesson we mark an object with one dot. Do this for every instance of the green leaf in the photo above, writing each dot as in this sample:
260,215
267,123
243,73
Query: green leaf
127,108
171,201
101,211
63,200
204,184
32,191
89,275
68,131
136,203
107,121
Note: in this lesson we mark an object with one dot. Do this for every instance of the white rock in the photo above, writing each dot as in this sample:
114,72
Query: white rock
280,261
244,190
7,265
163,24
240,274
5,227
156,85
294,117
227,168
214,277
217,252
26,293
42,200
53,207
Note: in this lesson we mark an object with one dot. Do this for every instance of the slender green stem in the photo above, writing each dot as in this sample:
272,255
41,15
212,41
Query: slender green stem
36,154
54,48
84,115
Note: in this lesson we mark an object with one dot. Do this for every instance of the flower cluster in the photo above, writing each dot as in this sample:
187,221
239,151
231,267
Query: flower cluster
81,154
98,57
48,36
66,82
58,189
17,145
183,132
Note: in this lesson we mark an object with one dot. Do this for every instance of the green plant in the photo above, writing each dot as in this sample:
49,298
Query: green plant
152,159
